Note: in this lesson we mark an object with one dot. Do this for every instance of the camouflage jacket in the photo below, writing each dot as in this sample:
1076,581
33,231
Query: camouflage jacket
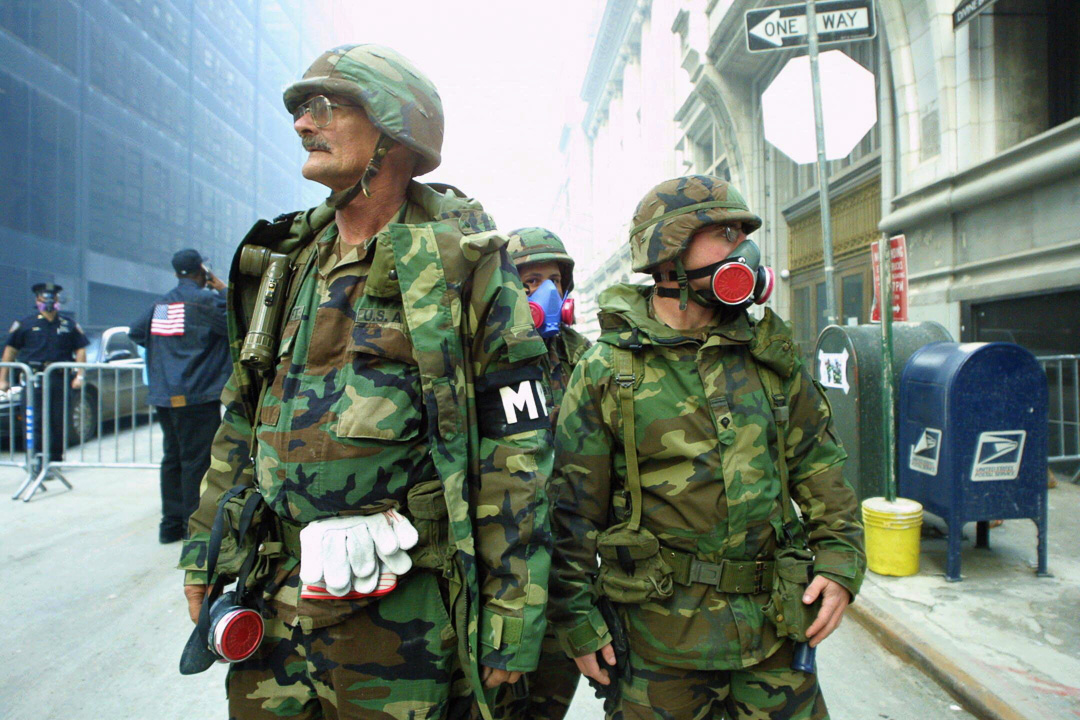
409,335
707,451
564,352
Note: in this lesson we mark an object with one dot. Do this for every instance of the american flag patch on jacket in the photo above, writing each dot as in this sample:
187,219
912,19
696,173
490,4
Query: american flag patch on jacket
168,319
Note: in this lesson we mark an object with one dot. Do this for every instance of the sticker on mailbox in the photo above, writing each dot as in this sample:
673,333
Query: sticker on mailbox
925,453
832,370
998,454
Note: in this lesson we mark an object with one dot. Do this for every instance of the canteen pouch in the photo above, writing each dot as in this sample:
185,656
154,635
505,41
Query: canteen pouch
631,568
785,609
426,508
264,530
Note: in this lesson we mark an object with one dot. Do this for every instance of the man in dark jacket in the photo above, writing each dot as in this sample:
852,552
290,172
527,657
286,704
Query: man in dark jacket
187,356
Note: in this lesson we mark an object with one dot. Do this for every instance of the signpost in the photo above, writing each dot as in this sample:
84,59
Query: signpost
843,111
786,26
899,282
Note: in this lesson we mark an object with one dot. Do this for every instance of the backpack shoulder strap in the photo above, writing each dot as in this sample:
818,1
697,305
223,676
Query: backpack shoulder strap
626,380
774,389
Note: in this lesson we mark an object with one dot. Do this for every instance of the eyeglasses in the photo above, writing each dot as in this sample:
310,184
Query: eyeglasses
732,233
321,109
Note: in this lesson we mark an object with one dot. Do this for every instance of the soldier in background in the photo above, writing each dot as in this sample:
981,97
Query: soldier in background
40,339
547,272
187,358
403,401
685,434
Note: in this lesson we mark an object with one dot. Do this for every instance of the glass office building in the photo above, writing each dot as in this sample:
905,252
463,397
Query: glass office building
134,128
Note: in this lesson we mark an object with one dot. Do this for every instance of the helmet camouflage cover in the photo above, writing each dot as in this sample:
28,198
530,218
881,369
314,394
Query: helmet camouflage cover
670,213
537,244
398,99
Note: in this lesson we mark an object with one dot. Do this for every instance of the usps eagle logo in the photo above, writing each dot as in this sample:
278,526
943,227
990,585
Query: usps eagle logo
998,454
925,452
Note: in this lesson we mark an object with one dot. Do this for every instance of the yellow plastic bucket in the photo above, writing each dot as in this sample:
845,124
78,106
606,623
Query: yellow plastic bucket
892,535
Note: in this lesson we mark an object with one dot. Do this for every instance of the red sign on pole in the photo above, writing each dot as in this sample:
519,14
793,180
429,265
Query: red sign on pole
898,265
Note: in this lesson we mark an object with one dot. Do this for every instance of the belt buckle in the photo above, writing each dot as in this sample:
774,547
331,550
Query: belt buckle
759,576
708,573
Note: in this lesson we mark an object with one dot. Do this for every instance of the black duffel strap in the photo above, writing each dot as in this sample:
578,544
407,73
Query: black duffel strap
727,576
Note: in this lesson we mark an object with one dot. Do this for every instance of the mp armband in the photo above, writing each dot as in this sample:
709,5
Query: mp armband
511,401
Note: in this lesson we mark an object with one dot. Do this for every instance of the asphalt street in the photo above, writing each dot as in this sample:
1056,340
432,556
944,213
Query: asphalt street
97,619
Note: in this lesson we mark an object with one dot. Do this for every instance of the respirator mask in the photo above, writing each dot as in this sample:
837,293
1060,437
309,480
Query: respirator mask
51,303
735,282
550,309
229,628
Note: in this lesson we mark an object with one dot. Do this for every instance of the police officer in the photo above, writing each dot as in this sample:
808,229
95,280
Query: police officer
547,272
393,420
185,334
686,433
38,340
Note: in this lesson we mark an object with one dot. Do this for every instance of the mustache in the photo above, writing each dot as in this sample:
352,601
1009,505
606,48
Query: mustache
313,142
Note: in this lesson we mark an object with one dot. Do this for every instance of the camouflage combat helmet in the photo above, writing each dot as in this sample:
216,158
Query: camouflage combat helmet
397,98
536,244
669,215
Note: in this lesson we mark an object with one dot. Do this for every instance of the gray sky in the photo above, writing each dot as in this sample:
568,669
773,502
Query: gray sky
509,73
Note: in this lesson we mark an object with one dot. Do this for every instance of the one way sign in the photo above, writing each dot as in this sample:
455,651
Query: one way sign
776,28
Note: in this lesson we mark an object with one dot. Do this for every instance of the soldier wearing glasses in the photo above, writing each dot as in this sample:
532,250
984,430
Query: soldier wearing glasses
403,401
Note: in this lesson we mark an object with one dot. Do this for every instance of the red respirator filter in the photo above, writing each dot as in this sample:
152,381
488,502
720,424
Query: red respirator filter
567,313
733,283
237,634
537,314
766,281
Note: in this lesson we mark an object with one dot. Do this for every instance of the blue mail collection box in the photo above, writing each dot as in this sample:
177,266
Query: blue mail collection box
972,441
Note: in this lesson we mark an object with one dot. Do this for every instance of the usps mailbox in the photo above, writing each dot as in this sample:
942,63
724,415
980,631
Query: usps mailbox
972,443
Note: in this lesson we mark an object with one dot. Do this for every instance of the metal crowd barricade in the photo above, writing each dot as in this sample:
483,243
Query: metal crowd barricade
112,397
1063,379
16,410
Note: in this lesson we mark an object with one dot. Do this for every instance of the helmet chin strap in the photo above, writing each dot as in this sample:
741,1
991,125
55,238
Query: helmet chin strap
342,198
685,292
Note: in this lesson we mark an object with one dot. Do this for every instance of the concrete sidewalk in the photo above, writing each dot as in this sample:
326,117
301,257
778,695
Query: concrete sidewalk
1004,642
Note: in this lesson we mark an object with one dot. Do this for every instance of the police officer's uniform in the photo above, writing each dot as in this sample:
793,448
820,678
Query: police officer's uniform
40,342
184,333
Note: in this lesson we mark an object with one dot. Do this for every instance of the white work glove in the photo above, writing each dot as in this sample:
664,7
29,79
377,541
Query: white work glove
339,553
354,552
393,535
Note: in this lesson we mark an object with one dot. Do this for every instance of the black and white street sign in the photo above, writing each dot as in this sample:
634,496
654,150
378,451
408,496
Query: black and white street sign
968,9
776,28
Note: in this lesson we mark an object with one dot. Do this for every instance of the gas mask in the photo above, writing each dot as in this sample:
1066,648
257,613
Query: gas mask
550,309
235,631
735,282
50,304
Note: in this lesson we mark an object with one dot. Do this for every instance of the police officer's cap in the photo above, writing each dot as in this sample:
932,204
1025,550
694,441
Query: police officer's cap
187,262
46,289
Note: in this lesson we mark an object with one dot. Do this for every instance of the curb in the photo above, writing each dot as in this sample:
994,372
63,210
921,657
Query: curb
972,693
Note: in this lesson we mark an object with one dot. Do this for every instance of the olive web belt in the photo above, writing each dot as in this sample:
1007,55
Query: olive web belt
728,576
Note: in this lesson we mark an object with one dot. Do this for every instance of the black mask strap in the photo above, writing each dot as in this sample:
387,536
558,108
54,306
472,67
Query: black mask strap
685,292
700,272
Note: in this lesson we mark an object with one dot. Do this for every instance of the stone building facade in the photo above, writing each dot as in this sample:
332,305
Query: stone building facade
975,158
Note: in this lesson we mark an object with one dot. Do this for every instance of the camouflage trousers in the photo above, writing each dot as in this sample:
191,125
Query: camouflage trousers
550,687
395,659
770,690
